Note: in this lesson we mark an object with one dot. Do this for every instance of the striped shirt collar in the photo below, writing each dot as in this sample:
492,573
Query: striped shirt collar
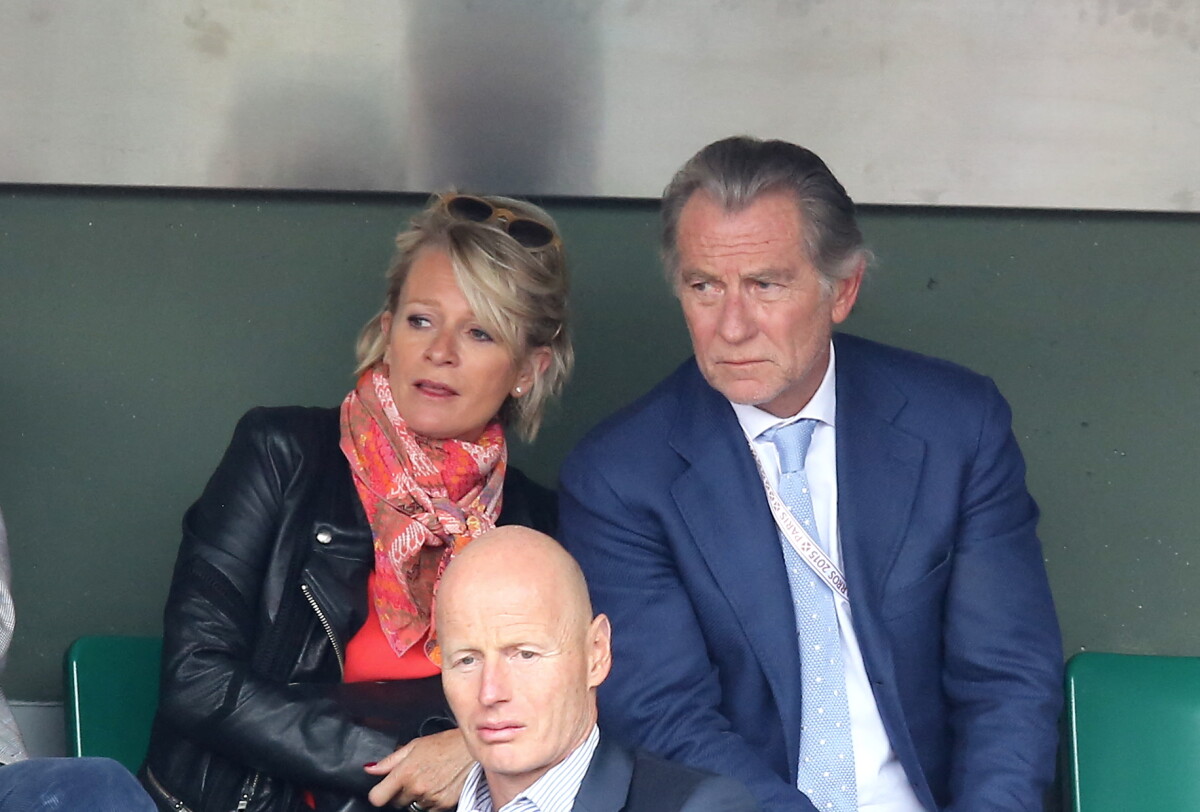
553,792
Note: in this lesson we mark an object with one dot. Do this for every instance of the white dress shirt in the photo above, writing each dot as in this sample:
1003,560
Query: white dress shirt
882,783
553,792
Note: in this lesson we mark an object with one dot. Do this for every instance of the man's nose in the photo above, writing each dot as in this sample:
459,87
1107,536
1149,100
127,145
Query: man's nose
736,322
496,685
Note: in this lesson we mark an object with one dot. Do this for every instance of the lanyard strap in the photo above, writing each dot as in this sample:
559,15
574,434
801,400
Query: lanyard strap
809,551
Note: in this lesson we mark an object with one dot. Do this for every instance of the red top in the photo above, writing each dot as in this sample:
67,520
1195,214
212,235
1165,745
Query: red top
370,658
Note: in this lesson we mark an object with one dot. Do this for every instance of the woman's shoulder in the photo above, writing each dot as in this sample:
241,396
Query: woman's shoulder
282,436
528,503
288,424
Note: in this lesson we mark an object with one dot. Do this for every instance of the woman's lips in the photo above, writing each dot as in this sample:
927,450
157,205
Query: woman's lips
435,389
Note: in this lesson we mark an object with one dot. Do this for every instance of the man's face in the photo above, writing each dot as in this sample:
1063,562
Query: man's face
520,673
759,318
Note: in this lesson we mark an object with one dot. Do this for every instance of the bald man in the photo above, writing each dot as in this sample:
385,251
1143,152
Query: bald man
522,656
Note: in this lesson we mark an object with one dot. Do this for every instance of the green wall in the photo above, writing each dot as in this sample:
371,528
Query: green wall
135,326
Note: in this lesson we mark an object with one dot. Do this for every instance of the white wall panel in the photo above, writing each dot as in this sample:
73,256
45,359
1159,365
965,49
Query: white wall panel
1069,103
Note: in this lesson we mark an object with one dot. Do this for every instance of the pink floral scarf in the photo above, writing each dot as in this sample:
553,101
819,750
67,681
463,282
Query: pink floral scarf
425,500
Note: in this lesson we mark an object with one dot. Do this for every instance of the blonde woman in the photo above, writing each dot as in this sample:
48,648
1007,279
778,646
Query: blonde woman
308,566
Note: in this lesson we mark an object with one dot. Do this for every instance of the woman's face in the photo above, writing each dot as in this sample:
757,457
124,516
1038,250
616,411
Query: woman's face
449,375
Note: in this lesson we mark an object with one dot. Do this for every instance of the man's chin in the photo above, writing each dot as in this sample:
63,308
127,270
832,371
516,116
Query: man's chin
744,393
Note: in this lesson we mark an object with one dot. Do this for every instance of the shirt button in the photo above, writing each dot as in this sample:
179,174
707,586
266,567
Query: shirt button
324,536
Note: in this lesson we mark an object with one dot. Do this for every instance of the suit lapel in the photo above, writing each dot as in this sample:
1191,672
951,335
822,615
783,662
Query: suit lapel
878,468
721,499
606,783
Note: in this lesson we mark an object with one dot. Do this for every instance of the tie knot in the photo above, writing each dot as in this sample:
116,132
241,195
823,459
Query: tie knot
791,441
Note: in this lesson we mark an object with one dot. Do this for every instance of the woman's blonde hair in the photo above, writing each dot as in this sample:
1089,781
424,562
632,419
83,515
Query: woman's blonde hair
519,295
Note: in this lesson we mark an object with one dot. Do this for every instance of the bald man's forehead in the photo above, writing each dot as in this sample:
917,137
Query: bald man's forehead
500,592
528,562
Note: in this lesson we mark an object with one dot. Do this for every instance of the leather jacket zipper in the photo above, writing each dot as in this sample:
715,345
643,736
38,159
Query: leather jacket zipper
337,647
248,794
175,803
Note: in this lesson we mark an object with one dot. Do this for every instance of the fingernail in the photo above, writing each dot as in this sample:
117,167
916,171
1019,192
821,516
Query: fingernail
370,763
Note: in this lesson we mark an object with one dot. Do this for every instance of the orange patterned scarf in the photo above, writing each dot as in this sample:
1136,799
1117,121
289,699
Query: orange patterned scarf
425,500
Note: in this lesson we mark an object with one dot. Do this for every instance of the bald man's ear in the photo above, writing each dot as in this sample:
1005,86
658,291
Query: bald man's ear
599,650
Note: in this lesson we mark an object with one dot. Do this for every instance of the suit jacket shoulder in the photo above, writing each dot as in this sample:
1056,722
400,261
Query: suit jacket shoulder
635,443
659,784
655,409
622,780
930,381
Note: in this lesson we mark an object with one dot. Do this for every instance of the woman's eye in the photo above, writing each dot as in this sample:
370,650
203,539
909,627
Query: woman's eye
417,321
480,335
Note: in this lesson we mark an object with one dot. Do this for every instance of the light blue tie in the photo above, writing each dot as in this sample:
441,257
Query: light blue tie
826,764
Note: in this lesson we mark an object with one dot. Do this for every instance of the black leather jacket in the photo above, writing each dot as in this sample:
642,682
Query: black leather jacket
269,585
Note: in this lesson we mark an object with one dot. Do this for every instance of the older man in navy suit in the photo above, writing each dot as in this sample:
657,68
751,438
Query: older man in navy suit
818,553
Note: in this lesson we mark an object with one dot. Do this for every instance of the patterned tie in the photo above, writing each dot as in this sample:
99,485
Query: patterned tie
826,766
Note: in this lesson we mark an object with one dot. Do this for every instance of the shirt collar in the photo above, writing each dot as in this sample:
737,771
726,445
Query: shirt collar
822,406
475,796
553,792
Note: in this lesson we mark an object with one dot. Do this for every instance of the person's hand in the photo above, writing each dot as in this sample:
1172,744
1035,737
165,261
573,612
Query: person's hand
429,771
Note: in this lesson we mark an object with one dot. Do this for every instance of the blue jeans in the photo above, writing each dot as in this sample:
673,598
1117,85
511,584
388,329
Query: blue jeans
71,785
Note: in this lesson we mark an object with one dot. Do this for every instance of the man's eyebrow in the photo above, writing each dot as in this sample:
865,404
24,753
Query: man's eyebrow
769,275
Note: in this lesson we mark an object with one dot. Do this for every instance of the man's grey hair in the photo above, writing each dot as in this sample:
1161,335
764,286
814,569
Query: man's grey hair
735,172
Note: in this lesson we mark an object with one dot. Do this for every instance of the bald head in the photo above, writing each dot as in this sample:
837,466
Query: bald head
521,655
519,559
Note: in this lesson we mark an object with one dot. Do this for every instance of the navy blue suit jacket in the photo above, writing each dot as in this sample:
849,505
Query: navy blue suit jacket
621,780
663,508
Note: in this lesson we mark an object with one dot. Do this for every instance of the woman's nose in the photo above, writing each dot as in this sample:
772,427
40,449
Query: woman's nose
443,348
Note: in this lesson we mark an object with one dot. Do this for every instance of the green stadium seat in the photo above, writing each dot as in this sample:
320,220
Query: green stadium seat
111,694
1133,733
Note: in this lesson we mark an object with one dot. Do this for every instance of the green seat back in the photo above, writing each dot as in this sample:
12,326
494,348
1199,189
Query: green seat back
111,694
1133,732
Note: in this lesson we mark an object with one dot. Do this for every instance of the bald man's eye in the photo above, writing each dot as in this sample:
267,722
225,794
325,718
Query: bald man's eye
463,661
526,655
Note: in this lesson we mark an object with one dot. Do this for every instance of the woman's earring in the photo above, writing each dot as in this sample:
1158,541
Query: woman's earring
518,391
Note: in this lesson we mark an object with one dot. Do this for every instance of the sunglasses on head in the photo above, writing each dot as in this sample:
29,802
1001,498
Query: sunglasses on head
528,233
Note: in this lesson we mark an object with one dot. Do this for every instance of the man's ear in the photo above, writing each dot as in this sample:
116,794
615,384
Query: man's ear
845,291
599,650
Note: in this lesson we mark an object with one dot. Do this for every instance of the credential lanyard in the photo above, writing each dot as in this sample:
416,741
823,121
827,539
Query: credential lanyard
809,551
